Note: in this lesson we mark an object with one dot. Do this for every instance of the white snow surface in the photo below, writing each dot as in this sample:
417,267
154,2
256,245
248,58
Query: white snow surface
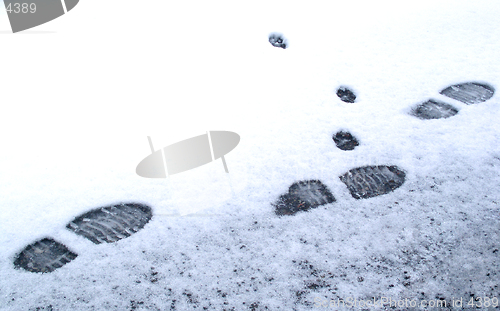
82,93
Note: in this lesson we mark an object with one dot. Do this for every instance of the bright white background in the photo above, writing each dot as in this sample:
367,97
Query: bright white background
81,93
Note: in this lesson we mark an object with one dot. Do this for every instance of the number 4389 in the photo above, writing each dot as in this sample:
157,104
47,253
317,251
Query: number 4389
21,8
485,302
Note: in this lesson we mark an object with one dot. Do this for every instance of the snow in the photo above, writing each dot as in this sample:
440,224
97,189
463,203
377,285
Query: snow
82,93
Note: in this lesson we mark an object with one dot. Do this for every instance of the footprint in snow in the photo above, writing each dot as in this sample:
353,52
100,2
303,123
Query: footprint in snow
468,93
346,95
115,222
345,141
362,182
106,224
277,40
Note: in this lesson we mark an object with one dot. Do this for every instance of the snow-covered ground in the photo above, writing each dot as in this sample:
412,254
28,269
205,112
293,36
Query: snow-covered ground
82,93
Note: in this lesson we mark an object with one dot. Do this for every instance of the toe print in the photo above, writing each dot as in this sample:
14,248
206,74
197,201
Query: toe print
371,181
302,196
469,92
111,223
44,255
